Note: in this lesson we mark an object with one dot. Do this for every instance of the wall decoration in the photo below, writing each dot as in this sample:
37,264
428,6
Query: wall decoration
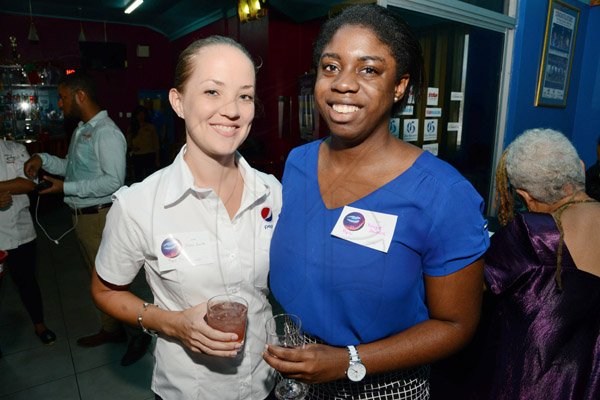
557,55
430,130
394,127
432,96
410,130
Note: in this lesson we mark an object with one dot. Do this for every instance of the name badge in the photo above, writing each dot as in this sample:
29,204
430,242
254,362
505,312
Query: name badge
366,228
186,249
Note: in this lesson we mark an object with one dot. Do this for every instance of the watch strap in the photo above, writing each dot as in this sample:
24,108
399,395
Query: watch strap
354,357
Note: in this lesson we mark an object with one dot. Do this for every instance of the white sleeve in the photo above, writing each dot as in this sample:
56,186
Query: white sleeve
21,156
120,255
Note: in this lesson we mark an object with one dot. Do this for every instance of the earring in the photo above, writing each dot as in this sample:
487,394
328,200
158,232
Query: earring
396,98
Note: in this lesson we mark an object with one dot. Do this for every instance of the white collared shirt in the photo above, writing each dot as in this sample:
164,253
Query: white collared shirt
16,225
94,167
217,255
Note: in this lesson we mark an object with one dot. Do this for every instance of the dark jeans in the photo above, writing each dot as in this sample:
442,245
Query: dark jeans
21,267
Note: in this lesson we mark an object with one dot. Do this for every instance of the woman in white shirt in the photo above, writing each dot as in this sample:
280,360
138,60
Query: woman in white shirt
17,234
219,214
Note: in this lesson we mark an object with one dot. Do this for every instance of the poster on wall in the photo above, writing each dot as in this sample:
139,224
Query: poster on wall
557,55
410,130
432,96
432,148
395,127
408,110
430,131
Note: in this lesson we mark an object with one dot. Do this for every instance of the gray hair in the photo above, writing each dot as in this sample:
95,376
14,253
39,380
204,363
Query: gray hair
544,163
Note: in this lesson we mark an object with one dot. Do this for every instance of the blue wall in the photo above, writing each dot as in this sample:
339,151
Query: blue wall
587,116
580,119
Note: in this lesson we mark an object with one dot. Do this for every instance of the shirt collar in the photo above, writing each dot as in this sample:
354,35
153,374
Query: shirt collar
181,182
95,119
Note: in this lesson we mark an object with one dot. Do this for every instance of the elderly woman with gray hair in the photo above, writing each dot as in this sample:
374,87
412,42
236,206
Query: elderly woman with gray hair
541,336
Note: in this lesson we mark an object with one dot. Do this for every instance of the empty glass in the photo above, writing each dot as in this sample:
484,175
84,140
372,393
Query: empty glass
284,330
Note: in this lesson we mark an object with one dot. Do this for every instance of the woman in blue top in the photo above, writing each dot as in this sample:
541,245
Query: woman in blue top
378,246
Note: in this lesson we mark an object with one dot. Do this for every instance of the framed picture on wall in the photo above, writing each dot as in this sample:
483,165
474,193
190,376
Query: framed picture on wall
557,54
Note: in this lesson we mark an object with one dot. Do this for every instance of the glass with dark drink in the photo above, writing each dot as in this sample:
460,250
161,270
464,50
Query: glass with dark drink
228,313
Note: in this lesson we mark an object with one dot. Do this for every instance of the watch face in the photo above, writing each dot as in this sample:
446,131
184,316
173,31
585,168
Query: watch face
356,372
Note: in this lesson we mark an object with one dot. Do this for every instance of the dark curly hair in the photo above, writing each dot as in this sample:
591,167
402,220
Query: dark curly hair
392,31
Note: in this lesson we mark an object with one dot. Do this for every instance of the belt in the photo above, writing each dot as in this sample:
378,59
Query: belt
91,209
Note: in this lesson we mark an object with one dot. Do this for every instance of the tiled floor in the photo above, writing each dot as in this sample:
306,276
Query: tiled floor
28,369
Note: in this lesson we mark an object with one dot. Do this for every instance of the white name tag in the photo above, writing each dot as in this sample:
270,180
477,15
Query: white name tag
366,228
177,250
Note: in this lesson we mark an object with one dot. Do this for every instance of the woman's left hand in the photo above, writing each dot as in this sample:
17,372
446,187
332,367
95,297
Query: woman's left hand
5,199
314,363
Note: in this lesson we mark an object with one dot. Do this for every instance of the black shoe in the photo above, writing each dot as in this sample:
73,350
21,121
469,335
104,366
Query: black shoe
137,347
102,337
47,337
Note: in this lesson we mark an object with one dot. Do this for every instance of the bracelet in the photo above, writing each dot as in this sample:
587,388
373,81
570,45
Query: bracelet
140,318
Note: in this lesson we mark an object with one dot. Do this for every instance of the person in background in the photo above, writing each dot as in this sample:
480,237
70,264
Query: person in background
199,227
94,169
143,146
379,245
17,234
592,176
157,119
540,339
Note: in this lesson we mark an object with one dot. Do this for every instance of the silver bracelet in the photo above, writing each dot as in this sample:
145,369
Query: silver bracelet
140,319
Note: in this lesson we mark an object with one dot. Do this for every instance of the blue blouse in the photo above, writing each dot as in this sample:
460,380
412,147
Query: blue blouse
346,293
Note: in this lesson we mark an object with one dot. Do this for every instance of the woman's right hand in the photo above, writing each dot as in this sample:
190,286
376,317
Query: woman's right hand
195,334
188,326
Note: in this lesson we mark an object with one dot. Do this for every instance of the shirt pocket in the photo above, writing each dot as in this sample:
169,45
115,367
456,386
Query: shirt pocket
261,264
12,170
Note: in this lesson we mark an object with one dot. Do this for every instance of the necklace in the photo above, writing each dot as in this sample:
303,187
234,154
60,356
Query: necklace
232,197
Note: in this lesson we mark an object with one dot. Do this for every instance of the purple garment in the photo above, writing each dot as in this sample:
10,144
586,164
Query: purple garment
539,343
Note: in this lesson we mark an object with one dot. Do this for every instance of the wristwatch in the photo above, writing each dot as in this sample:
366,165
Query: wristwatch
356,370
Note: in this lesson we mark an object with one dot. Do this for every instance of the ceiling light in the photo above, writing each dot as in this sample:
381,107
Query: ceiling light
32,36
81,34
251,9
133,6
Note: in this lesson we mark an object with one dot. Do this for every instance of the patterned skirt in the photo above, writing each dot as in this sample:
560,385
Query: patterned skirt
406,384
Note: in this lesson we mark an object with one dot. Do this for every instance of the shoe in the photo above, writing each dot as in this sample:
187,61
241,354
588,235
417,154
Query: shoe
47,337
137,347
101,338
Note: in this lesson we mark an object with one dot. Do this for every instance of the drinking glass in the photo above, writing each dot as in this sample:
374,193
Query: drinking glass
228,313
284,330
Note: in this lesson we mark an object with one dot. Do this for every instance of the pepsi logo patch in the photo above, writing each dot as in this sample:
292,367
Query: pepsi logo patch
266,214
170,248
354,221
